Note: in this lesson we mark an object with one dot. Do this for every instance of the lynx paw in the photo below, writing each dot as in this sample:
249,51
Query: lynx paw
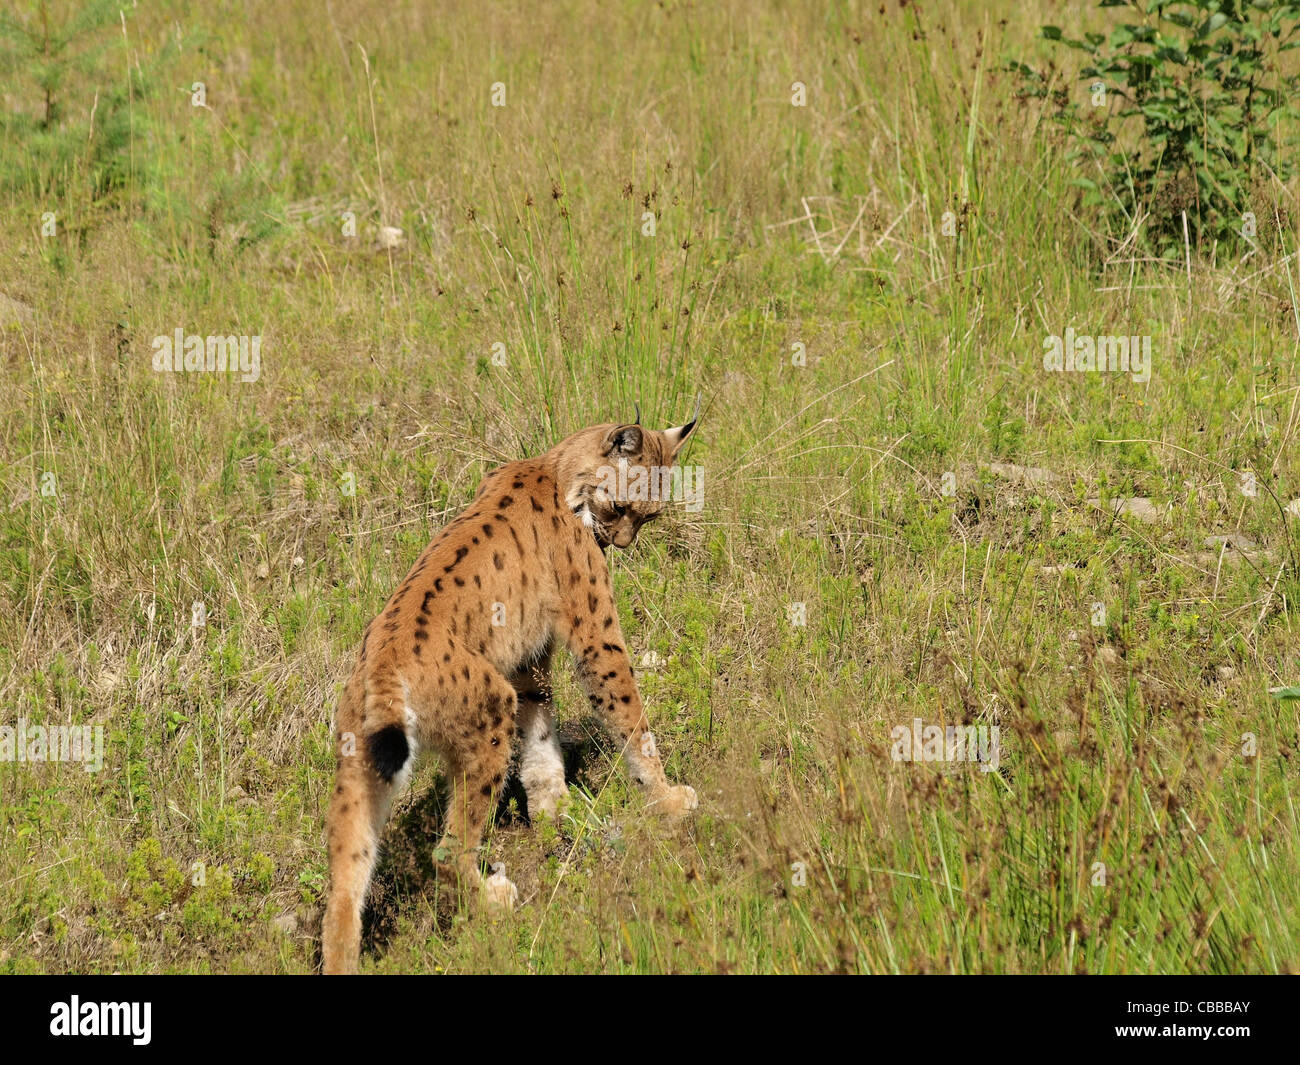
499,893
677,800
550,804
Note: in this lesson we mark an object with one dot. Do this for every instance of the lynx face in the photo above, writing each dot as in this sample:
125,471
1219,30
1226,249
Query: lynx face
620,478
459,659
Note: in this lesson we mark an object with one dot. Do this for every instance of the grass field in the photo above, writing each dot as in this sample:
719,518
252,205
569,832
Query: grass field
906,516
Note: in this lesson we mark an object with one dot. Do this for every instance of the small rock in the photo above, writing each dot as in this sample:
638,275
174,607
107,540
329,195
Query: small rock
286,923
1233,540
1108,655
1027,474
1221,559
1226,673
390,237
1138,507
1293,508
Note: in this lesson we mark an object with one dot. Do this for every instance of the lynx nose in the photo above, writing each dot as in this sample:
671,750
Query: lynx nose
625,535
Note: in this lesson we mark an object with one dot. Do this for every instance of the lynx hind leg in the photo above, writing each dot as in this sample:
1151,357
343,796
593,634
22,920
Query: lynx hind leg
475,745
541,762
358,809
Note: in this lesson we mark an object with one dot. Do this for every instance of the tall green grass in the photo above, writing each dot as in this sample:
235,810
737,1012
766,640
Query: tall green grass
1122,743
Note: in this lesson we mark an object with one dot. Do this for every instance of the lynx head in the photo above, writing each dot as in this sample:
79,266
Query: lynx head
616,477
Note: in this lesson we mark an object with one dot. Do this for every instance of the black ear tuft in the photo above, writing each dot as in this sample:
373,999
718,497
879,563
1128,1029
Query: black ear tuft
686,429
677,435
623,440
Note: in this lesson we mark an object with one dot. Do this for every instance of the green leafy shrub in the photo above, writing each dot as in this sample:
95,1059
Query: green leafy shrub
1203,86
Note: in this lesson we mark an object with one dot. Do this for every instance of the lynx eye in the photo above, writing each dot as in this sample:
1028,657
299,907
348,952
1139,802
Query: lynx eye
619,510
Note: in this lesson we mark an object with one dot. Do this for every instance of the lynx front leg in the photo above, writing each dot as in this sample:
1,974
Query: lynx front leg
541,763
594,637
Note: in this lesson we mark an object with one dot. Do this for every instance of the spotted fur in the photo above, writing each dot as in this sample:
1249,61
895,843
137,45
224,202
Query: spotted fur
458,662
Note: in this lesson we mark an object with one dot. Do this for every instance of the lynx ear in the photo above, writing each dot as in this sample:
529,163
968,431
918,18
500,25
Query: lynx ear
622,440
676,437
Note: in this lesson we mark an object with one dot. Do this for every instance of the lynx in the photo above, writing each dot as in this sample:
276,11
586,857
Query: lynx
458,661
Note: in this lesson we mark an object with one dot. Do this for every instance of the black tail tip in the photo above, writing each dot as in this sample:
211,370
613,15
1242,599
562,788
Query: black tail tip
389,751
